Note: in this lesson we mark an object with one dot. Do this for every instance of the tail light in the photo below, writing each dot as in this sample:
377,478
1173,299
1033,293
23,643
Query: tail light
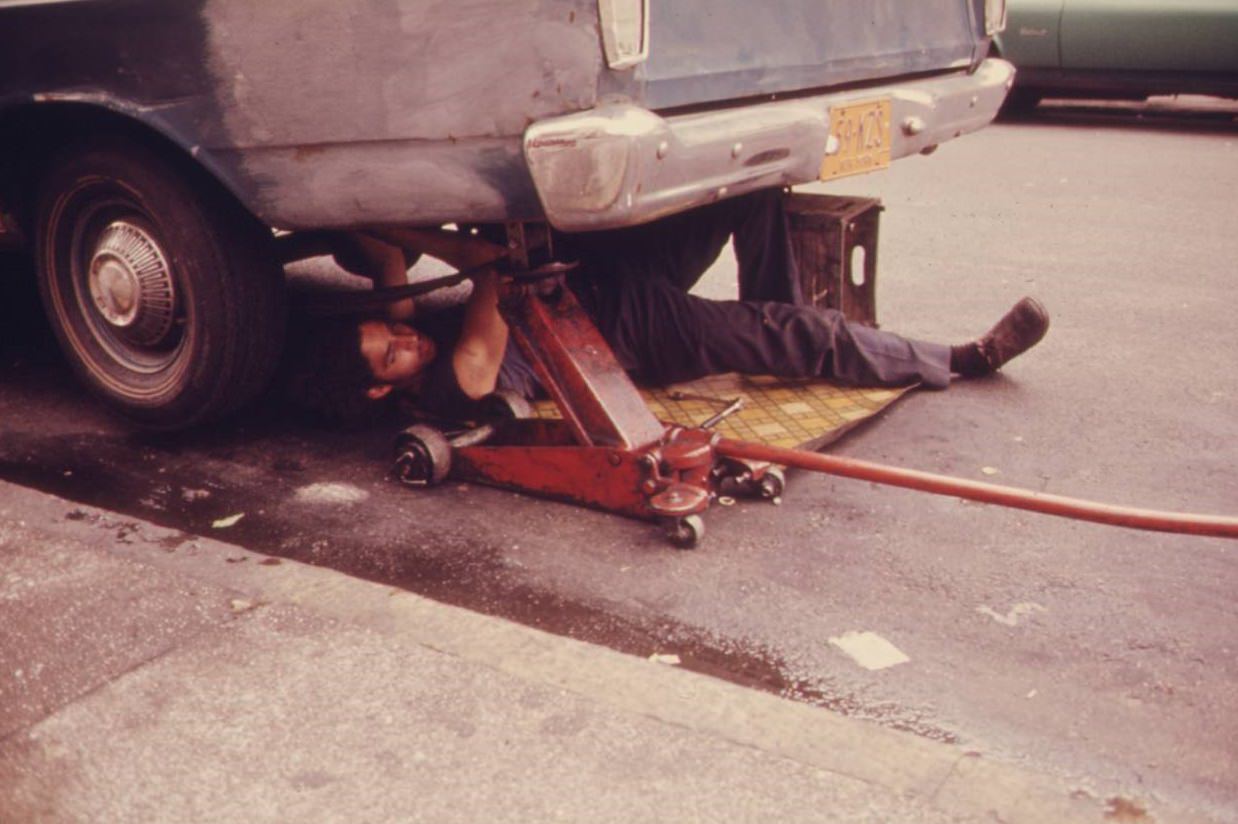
625,31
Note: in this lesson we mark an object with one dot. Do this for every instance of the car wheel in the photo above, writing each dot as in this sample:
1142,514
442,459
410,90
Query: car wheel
161,289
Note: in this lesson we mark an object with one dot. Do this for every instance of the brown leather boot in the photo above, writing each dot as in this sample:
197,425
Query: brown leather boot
1019,330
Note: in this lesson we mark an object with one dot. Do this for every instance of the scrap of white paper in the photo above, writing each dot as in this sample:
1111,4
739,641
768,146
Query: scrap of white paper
870,650
1014,615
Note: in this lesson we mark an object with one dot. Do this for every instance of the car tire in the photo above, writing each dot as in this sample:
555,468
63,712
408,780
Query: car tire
162,290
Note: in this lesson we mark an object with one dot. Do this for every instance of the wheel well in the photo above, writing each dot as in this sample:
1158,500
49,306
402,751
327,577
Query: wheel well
32,135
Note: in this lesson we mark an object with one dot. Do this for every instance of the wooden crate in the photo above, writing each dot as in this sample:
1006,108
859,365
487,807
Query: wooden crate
835,244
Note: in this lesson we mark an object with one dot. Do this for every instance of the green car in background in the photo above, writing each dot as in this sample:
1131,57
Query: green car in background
1126,49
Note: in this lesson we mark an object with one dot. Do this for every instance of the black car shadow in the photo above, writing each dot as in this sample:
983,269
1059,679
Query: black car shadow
1195,115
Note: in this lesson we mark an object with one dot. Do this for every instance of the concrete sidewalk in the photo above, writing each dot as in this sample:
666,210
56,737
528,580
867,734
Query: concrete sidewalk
148,675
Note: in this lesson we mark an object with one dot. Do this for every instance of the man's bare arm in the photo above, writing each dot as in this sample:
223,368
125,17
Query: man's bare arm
483,339
478,353
389,268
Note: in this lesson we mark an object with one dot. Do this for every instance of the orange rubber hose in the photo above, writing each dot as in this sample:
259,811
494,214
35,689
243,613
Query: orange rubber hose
1186,523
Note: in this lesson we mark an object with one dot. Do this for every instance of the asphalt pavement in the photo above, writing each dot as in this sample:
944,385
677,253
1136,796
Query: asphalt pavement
149,675
162,674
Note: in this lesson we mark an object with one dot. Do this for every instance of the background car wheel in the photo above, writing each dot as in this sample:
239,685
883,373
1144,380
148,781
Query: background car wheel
161,289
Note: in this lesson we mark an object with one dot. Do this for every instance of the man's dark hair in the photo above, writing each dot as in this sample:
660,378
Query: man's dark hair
326,375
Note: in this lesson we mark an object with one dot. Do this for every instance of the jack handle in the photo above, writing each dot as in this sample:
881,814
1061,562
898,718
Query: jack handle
1217,526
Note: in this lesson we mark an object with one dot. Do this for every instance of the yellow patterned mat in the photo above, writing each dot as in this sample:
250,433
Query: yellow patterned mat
805,414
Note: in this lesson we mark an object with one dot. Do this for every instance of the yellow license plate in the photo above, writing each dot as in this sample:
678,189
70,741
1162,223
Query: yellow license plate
863,134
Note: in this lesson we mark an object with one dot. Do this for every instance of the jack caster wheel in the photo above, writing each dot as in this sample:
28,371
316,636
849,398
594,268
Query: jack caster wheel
422,456
773,483
686,532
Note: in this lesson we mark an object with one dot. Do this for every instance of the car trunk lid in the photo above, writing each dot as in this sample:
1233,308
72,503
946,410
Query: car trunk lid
706,51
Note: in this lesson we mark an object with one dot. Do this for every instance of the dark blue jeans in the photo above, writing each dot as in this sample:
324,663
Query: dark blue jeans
680,248
635,282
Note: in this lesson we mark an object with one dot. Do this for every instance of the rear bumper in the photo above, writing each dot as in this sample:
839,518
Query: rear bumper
620,164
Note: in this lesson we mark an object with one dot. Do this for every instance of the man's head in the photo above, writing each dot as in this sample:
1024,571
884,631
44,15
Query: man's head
396,354
343,370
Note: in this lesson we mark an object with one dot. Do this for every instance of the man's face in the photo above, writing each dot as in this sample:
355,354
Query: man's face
396,353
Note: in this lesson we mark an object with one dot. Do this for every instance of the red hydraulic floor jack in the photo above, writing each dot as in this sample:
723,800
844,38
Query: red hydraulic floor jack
610,452
607,451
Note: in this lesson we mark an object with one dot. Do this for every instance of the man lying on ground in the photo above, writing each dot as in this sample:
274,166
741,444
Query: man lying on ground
634,283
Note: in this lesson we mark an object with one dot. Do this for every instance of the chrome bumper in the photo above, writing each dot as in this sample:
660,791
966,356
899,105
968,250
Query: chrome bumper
620,164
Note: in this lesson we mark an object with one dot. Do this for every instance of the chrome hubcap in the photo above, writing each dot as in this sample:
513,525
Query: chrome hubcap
131,283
